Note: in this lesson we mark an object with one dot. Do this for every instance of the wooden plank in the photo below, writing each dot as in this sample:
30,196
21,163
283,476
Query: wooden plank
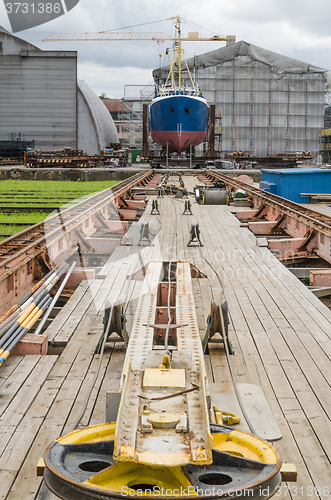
243,304
110,382
66,331
63,394
65,312
16,380
280,334
8,367
18,406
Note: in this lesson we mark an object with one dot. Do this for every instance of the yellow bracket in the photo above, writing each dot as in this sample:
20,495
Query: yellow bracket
226,417
166,365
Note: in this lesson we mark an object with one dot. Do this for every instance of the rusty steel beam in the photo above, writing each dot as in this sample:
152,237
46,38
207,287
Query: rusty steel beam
295,220
22,255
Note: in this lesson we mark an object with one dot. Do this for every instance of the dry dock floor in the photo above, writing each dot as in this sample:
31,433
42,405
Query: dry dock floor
279,330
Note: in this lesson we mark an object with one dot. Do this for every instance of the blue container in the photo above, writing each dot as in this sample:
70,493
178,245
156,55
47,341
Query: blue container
270,187
291,183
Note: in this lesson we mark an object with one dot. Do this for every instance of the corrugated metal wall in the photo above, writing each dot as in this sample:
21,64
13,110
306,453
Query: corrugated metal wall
38,98
293,183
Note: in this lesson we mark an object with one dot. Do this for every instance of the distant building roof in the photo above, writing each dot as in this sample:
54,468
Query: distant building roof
113,105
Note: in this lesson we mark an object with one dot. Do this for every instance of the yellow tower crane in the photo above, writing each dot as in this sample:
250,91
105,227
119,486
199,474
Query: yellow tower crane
159,37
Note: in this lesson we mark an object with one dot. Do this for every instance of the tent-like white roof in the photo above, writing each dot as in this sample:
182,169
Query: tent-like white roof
280,64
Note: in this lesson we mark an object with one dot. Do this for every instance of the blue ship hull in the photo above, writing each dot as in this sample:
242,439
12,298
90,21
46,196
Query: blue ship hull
179,121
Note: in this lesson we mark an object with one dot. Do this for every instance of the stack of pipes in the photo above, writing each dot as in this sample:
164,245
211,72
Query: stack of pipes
23,315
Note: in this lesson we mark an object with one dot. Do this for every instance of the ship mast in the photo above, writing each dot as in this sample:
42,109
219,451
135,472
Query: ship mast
179,45
178,53
178,58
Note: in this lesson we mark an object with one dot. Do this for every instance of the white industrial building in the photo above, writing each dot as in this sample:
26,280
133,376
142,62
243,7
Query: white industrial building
41,99
269,103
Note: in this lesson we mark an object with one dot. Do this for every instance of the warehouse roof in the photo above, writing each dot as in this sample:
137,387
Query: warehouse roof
4,30
12,45
281,64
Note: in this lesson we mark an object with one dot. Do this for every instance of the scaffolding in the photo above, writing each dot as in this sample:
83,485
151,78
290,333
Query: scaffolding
129,119
269,103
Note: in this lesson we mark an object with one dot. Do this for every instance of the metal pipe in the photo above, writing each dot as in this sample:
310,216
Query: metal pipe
51,278
24,298
58,293
22,331
22,317
34,311
46,284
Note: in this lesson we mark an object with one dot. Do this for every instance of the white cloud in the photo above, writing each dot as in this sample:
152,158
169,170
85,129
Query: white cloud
298,29
110,83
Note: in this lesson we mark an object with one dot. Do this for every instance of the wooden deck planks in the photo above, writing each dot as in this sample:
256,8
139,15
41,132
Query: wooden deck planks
261,324
279,330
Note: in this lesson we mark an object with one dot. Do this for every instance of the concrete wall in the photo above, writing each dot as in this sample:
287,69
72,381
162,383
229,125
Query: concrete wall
66,174
99,174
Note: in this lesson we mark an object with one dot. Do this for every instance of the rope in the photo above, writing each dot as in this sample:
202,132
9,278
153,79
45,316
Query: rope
179,393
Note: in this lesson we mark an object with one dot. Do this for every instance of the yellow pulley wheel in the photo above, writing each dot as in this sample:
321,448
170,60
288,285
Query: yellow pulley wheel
80,466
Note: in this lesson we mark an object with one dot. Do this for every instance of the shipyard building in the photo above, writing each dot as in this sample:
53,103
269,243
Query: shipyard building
41,100
266,103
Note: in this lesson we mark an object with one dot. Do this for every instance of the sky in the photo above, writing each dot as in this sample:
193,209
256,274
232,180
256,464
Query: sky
294,28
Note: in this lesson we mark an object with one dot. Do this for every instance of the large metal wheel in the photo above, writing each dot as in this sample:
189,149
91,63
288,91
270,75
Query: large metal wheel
80,467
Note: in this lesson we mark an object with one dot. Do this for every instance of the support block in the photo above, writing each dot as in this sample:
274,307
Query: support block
116,226
40,467
246,214
31,344
139,197
135,204
104,245
79,274
320,277
289,473
263,227
240,202
246,178
262,242
127,213
286,246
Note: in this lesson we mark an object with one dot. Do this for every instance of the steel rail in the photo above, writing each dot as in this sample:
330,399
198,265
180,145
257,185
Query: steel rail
309,217
76,214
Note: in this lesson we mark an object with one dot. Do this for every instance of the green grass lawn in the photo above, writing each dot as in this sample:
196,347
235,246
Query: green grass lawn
44,189
32,217
50,193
